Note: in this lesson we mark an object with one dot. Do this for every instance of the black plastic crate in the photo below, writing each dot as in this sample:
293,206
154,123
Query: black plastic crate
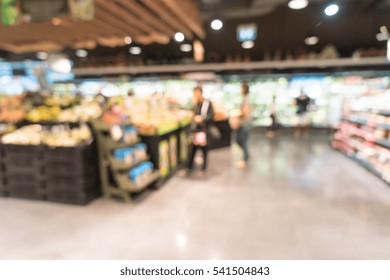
27,194
82,153
26,152
76,198
90,181
58,167
23,179
22,166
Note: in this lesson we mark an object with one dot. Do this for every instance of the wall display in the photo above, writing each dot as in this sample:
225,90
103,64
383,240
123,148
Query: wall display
364,133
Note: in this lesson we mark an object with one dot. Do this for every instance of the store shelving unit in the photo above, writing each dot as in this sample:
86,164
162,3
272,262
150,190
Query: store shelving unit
364,136
114,175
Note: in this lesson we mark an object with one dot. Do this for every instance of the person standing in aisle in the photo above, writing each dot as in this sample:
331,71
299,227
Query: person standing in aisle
245,127
274,121
302,103
203,117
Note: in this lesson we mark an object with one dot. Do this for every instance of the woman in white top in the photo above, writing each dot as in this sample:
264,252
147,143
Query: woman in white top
245,128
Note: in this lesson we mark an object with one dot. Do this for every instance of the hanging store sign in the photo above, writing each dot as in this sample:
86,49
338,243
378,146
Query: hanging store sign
82,9
10,12
41,10
246,32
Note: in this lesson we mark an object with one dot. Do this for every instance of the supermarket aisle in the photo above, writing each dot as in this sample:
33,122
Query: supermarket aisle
298,200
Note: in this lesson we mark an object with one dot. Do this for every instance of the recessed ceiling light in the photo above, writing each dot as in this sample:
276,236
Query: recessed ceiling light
311,40
42,55
247,44
186,47
135,50
128,40
179,37
298,4
216,24
332,9
81,53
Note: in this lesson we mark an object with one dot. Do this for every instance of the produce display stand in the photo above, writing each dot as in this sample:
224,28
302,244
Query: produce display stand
169,151
114,175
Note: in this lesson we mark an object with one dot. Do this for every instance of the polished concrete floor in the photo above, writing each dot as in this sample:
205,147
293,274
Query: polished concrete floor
296,200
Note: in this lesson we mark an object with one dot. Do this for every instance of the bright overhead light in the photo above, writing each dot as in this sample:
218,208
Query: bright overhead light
298,4
42,55
135,50
61,65
247,44
216,24
332,9
128,40
81,53
179,37
186,47
311,40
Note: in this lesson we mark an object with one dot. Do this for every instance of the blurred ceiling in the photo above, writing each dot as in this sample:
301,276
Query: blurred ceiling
145,21
280,29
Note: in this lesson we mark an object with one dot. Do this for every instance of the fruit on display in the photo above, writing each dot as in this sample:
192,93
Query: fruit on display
43,114
11,109
55,136
81,113
62,101
28,135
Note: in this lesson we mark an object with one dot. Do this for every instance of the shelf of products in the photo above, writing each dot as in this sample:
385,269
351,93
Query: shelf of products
364,136
124,164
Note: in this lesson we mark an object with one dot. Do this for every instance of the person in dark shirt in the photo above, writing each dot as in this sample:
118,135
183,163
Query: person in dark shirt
302,102
203,117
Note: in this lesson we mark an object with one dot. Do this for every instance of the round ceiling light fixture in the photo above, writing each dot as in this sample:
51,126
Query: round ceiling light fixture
42,55
135,50
331,9
179,37
311,40
298,4
248,44
81,53
128,40
216,24
186,47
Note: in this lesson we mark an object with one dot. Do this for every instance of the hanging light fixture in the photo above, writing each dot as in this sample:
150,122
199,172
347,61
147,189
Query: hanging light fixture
216,24
311,40
332,9
135,50
298,4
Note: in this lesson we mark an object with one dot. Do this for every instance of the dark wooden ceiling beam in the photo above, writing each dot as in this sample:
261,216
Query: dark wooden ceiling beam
168,17
182,12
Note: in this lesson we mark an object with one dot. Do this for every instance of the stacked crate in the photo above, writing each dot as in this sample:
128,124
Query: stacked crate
62,174
72,174
23,172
